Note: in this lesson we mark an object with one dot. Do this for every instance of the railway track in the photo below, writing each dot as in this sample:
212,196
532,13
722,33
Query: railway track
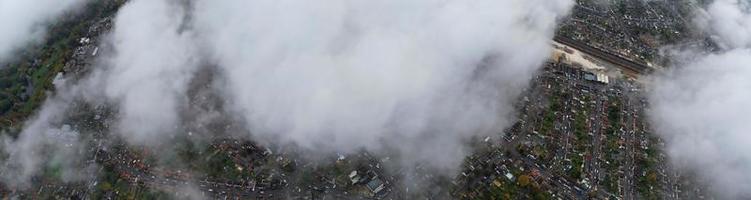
632,66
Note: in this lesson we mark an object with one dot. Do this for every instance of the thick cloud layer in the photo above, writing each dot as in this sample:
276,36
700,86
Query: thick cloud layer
25,21
148,74
417,77
420,75
730,23
701,108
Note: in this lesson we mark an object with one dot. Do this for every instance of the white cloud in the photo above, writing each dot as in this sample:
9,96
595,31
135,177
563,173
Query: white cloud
420,76
150,70
416,76
24,21
701,108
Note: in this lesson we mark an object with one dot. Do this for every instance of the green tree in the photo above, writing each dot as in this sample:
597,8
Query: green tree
524,180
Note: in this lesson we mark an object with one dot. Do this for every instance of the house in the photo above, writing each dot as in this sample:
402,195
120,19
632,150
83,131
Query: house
354,177
376,185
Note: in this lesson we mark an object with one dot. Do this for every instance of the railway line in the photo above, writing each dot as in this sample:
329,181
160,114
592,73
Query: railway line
626,64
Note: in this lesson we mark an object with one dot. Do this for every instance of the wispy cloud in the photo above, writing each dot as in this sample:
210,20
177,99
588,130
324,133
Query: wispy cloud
23,22
701,106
